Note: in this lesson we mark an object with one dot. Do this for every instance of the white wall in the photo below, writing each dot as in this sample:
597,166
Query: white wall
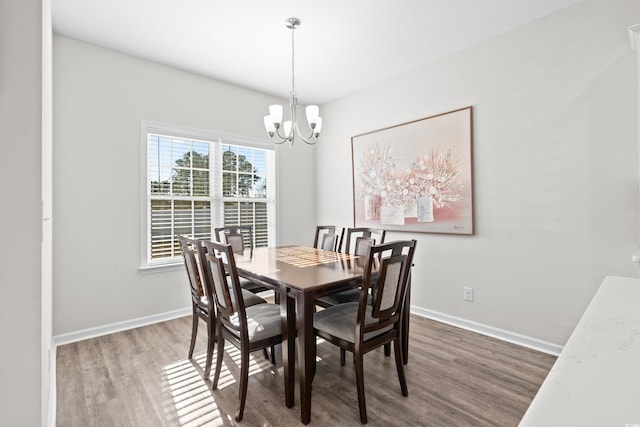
100,96
46,313
555,167
20,216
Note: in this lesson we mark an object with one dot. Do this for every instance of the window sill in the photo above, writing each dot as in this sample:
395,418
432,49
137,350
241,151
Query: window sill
161,268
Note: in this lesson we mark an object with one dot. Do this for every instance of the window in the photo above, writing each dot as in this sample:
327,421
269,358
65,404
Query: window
244,190
196,181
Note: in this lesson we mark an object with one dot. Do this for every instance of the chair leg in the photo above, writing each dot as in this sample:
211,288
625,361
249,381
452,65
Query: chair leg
387,349
404,325
194,332
211,337
244,379
272,357
342,356
397,346
360,386
315,356
216,375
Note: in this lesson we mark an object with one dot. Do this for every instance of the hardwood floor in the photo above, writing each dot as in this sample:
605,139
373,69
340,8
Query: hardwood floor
141,377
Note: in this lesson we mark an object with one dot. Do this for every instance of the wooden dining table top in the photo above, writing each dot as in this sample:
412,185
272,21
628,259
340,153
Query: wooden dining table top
302,268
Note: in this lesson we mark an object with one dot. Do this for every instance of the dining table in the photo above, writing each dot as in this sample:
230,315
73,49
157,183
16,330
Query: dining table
300,275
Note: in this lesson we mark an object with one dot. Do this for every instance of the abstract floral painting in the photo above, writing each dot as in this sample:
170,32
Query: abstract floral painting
416,176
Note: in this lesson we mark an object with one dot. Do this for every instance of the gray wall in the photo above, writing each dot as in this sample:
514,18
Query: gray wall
20,256
555,167
100,97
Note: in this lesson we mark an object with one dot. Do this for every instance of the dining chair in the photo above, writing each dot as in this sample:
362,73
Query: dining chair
201,303
248,328
203,307
359,327
328,237
362,239
240,237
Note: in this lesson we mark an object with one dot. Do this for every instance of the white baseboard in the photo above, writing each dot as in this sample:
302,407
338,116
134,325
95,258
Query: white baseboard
501,334
118,326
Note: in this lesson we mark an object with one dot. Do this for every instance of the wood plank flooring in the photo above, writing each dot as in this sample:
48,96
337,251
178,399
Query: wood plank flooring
141,377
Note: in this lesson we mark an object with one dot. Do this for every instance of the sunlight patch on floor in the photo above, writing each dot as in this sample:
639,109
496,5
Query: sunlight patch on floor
192,398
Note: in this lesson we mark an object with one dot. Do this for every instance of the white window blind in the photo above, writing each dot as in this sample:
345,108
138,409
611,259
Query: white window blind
179,193
194,183
244,189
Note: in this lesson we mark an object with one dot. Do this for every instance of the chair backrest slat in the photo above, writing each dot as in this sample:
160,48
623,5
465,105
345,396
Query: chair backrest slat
329,242
220,284
321,232
388,285
236,242
376,235
238,236
328,238
362,245
191,251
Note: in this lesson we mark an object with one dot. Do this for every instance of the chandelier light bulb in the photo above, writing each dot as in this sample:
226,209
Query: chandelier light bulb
313,113
269,126
275,111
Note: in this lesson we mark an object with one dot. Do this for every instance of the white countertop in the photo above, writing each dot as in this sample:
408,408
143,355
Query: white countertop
596,379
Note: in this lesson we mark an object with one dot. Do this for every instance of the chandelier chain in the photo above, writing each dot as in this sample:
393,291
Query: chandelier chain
293,67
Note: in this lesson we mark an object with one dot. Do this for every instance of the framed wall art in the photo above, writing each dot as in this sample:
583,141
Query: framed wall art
416,176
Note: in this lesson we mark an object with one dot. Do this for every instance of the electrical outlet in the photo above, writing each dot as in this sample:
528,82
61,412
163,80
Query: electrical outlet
468,294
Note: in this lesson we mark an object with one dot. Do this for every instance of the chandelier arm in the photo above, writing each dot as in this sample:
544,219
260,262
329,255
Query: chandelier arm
282,139
311,139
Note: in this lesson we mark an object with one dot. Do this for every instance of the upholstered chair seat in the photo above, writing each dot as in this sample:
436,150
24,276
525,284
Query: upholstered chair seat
340,320
263,321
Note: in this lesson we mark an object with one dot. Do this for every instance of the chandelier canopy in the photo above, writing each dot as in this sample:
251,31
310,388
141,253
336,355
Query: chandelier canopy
280,132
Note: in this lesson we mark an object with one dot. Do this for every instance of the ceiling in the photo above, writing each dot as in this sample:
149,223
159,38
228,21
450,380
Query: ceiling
342,46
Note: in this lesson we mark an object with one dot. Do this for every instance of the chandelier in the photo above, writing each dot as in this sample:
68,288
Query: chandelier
280,132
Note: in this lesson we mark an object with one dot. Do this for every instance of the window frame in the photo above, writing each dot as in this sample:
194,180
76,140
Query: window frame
216,139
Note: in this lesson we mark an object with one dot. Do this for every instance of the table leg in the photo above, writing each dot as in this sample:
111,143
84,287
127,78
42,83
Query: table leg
405,324
287,314
306,352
